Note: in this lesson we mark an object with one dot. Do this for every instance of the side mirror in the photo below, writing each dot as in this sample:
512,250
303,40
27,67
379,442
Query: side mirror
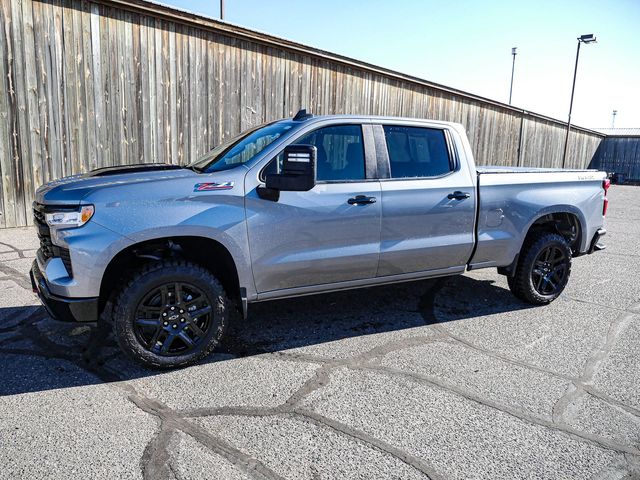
298,170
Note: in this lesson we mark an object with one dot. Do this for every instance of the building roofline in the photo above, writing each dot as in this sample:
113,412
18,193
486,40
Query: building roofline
619,132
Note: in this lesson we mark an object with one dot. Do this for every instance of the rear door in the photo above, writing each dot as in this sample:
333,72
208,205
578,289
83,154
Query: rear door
321,236
428,201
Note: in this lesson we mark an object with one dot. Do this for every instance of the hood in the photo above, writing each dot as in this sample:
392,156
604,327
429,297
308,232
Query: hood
71,190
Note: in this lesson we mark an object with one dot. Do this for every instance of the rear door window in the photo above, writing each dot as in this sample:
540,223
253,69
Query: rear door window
417,152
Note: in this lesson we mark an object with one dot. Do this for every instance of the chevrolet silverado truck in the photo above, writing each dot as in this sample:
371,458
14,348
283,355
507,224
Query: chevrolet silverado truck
300,206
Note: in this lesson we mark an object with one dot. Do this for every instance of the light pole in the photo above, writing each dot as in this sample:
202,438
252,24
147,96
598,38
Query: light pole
513,67
613,120
588,38
221,9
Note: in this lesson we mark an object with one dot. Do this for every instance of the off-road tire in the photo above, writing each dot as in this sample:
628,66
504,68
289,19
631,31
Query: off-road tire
153,276
523,283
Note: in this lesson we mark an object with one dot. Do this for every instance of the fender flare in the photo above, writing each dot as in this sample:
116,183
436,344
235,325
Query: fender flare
237,252
560,208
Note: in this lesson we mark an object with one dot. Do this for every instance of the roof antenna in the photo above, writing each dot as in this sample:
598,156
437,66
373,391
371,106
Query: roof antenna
302,115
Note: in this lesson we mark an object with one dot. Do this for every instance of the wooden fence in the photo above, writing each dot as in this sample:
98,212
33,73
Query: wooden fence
86,84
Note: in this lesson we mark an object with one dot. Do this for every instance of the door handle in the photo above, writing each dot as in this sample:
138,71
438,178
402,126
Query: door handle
361,200
458,195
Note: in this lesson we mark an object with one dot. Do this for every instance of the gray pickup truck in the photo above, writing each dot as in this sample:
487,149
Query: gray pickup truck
299,206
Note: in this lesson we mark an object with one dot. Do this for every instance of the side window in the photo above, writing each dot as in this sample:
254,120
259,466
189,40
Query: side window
340,153
417,152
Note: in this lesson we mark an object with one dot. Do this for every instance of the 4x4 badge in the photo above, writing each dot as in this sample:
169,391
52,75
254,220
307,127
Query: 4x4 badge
206,187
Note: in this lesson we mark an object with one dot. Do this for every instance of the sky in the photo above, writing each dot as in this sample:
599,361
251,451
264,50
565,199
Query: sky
466,44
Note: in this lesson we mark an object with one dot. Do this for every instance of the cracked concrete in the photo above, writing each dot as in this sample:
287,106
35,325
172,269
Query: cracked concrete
451,378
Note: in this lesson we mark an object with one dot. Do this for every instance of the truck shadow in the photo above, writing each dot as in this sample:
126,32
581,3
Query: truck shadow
40,354
304,321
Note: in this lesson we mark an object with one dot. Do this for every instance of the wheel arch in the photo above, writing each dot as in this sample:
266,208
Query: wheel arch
565,220
211,253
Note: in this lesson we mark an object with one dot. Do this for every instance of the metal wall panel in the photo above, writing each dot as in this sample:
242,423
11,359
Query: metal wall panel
620,155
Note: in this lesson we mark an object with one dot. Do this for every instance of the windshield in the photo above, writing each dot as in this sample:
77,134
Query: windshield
242,148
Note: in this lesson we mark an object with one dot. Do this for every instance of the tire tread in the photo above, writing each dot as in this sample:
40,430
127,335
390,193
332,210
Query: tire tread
125,298
520,284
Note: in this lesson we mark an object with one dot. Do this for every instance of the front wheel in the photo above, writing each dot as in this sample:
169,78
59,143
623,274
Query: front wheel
170,314
543,269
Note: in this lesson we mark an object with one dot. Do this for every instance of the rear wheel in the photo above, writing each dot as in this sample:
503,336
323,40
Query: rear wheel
543,269
170,314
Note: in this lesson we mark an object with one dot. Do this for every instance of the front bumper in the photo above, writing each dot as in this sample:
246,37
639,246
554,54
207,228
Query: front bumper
63,308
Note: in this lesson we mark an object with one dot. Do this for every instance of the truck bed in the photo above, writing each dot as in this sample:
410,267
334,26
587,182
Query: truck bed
501,169
510,199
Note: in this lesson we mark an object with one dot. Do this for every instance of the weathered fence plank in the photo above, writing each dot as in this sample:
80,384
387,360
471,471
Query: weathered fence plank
92,83
7,197
23,142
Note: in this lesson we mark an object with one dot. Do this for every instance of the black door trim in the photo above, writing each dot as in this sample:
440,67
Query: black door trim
382,155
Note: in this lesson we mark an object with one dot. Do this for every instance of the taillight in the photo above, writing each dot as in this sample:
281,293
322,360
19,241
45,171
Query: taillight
606,183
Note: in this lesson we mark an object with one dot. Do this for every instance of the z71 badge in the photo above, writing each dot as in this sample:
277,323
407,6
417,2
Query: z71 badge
207,187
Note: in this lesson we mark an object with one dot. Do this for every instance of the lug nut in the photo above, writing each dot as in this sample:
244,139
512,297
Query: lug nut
164,314
175,326
173,308
182,320
181,311
166,323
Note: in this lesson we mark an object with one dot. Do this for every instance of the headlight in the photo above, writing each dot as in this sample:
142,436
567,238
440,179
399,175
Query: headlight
75,218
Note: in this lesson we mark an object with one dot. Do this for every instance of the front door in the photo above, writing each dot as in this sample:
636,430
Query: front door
428,202
320,236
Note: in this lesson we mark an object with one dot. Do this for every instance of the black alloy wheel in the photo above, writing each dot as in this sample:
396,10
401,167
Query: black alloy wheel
173,319
549,270
170,313
543,269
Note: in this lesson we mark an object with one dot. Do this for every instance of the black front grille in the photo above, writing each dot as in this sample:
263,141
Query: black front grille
66,259
44,233
47,248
